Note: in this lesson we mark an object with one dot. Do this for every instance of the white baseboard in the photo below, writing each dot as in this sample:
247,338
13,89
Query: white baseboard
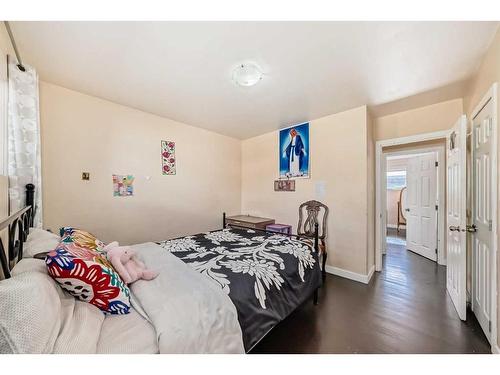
370,273
495,349
365,279
394,226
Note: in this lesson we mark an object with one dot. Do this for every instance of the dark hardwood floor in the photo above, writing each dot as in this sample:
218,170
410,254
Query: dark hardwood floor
404,309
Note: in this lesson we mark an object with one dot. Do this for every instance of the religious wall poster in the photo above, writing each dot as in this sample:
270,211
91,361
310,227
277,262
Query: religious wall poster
294,151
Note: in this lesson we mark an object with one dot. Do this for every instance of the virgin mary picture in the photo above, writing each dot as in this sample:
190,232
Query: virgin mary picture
294,151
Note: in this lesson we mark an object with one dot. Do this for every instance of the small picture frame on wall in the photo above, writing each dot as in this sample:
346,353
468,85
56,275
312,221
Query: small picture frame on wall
284,185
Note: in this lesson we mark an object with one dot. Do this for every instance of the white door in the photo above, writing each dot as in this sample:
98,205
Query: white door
456,215
482,240
421,210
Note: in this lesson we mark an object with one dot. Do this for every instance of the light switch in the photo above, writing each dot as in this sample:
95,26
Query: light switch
320,190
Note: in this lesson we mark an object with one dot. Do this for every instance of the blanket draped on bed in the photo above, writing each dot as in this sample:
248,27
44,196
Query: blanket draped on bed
266,276
189,314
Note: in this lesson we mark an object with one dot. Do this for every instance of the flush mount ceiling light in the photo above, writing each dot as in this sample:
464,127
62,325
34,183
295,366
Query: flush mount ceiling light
247,74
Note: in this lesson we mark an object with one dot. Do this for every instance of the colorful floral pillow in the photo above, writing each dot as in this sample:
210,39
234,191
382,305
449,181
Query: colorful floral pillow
80,267
81,238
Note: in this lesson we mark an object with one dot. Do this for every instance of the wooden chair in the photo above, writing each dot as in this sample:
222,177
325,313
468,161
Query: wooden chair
401,215
316,212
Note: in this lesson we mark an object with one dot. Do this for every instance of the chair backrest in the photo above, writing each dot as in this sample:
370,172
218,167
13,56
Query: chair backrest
313,210
401,214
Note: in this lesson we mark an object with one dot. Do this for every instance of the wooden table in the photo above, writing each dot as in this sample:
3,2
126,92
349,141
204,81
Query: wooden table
248,221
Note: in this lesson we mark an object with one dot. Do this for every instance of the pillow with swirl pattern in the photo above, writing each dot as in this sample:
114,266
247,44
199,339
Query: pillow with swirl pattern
80,266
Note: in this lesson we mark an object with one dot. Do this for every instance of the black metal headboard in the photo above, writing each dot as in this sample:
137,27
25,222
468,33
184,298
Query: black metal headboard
18,225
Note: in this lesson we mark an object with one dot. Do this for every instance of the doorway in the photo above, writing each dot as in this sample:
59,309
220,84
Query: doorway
412,196
413,200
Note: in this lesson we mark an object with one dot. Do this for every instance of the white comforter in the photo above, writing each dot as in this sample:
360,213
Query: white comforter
189,313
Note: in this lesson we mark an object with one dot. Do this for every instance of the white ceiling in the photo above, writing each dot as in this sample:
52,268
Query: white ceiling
182,70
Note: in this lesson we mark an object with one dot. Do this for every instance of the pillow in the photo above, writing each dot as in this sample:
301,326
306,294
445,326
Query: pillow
37,316
80,267
39,241
81,238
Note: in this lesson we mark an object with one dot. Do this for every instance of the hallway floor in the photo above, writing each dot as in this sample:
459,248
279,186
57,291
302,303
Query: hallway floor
404,309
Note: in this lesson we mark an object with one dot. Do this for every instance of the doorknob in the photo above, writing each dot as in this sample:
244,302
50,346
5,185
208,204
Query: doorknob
471,228
407,209
454,229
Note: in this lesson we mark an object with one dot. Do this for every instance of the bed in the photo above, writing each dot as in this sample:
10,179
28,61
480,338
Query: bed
266,275
217,292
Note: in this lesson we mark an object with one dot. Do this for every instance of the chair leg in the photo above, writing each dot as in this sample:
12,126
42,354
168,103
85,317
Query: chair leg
315,297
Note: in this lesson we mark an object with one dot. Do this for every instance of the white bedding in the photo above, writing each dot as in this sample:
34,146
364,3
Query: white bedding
127,334
37,316
39,241
178,312
190,314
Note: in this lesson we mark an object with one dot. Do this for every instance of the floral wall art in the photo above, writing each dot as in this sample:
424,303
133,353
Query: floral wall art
168,157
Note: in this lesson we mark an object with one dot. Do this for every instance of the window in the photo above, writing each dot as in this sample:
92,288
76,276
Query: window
396,180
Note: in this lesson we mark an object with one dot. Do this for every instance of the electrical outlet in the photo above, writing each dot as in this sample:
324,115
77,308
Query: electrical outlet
85,176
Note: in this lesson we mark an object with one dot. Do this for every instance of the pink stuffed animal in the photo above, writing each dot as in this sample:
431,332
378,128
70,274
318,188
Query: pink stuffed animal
126,264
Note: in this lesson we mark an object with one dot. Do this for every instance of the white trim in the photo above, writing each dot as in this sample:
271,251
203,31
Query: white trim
365,279
413,139
492,94
381,189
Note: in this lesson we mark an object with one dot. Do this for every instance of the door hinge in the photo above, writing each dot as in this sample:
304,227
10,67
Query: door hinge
437,207
436,251
436,163
489,325
490,225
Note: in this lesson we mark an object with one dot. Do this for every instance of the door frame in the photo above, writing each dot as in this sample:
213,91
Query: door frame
492,94
441,193
380,187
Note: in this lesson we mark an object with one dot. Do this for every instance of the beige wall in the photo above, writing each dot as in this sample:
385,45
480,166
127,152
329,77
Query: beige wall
370,147
399,164
5,45
5,48
83,133
392,206
4,209
431,118
339,159
488,73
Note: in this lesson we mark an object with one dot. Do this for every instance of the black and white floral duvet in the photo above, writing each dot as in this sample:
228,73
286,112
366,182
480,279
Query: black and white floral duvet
265,275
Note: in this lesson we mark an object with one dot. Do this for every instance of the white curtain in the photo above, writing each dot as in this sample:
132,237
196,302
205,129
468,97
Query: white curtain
24,158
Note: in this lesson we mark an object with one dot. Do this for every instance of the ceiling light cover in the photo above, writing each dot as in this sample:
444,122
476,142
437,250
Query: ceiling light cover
247,74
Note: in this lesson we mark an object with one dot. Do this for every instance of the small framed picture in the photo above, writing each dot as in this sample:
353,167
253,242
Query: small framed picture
284,185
